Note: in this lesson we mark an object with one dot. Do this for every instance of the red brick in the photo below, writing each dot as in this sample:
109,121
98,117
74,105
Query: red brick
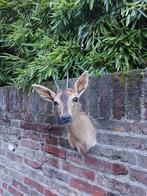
114,168
1,192
5,185
35,126
52,140
53,162
34,184
85,173
14,191
74,157
88,188
33,164
137,175
119,169
12,156
49,193
54,150
19,186
30,144
55,130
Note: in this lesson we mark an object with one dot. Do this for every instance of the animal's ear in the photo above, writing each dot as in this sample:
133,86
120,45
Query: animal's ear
82,83
44,92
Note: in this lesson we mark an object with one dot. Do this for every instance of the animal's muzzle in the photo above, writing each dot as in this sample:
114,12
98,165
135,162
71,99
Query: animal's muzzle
66,118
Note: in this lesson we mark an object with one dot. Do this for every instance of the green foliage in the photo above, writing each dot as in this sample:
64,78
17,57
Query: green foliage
41,38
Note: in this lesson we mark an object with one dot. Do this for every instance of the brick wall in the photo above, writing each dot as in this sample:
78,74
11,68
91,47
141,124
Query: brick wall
42,162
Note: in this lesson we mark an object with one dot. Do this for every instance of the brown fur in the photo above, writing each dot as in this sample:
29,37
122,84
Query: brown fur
81,132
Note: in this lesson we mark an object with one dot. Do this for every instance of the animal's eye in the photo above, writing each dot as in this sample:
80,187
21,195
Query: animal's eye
75,99
55,103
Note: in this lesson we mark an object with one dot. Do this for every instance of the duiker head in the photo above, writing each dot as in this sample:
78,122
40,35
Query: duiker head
65,100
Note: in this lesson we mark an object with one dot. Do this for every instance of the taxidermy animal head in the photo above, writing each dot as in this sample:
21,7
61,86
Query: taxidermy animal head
81,132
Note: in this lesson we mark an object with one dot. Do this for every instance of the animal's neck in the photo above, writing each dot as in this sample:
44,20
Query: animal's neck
81,132
79,118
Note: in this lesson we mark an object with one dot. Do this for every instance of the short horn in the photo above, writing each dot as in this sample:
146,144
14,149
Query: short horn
67,79
56,84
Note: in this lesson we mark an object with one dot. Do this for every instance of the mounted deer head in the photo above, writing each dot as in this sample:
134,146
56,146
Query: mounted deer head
81,132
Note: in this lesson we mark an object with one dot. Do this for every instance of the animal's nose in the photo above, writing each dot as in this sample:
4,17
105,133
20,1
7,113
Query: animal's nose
66,118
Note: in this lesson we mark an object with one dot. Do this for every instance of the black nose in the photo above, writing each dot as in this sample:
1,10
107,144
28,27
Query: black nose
66,118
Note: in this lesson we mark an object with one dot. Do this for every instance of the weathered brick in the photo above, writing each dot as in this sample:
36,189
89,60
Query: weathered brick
138,175
122,141
49,193
118,96
2,152
93,93
74,157
56,174
114,168
34,184
13,98
5,122
1,98
30,144
145,97
19,186
36,103
133,105
114,125
34,135
124,188
13,191
139,127
33,164
115,154
1,192
64,143
3,169
53,162
62,189
55,130
85,187
35,126
142,160
117,163
15,123
15,174
5,103
5,185
14,157
52,140
34,193
105,96
84,173
54,150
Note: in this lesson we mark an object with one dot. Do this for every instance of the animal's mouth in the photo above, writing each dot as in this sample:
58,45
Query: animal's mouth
66,121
